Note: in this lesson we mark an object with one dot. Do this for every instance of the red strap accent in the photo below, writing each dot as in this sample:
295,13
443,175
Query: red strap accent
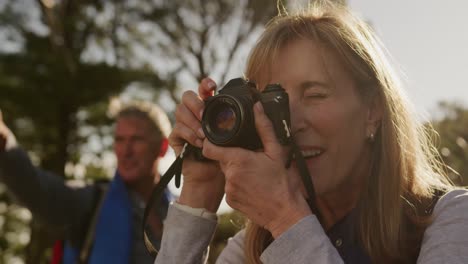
57,252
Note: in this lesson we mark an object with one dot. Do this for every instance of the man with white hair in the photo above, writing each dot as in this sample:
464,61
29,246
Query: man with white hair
100,223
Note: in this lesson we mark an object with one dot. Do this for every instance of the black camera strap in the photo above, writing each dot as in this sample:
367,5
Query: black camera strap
305,175
156,195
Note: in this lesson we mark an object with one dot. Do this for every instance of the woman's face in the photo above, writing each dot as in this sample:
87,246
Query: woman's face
330,121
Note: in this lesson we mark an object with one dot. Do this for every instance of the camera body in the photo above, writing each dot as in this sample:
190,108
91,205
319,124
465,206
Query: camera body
228,118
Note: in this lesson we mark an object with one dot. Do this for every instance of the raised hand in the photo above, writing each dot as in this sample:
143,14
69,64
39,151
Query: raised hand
7,139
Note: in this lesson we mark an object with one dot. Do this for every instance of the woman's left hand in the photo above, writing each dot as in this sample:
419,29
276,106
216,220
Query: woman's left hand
258,184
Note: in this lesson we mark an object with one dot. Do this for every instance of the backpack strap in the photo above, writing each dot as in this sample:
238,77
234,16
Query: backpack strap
57,252
102,188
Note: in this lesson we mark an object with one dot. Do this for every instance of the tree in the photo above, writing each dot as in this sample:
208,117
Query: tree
196,38
46,82
65,59
452,128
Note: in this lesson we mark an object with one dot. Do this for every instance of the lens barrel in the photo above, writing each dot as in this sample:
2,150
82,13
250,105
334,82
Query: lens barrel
228,121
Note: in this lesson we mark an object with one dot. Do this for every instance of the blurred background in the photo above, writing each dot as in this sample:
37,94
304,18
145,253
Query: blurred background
64,63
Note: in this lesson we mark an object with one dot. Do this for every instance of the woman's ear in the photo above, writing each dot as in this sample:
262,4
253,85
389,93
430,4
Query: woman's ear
374,115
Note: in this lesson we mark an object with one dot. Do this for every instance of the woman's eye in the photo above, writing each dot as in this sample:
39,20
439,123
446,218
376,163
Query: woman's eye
315,95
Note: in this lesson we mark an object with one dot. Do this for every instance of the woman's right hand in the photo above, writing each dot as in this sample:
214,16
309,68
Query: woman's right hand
203,185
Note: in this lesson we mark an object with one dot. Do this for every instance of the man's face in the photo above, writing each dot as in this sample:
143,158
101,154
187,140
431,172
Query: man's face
136,148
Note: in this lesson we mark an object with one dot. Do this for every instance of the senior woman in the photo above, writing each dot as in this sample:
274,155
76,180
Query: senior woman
380,189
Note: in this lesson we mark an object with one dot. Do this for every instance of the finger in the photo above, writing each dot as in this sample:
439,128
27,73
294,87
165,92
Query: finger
266,132
185,116
206,88
194,103
222,154
181,134
3,134
211,151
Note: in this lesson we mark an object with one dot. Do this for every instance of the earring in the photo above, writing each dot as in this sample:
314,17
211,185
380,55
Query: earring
371,137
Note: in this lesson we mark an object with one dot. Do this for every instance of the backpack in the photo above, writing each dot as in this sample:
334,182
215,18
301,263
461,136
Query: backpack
85,250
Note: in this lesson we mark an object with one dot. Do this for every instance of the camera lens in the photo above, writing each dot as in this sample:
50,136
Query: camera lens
228,119
222,119
225,120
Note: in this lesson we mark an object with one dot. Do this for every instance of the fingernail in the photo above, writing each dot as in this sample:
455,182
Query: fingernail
201,114
259,107
201,133
211,85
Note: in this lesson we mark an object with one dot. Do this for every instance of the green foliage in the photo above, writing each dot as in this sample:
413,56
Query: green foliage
65,59
48,82
453,136
13,227
200,38
228,225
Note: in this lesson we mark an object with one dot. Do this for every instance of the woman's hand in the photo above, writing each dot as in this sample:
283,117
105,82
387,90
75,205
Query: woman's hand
203,185
257,183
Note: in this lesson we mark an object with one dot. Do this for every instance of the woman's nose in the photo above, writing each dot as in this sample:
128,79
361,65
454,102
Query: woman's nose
128,148
297,117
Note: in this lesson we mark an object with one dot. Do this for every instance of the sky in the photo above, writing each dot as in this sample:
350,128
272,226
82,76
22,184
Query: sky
428,40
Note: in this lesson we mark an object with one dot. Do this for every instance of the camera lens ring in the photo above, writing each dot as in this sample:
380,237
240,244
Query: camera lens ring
222,119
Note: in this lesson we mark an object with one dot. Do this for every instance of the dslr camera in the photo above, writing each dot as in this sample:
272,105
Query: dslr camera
228,118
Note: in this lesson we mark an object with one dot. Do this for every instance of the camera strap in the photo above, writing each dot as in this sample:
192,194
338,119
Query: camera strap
157,193
296,154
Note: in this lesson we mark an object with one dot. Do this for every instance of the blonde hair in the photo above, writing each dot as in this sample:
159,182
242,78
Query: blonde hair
406,169
150,112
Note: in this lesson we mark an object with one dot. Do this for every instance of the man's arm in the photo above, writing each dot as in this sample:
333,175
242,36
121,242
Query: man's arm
43,193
